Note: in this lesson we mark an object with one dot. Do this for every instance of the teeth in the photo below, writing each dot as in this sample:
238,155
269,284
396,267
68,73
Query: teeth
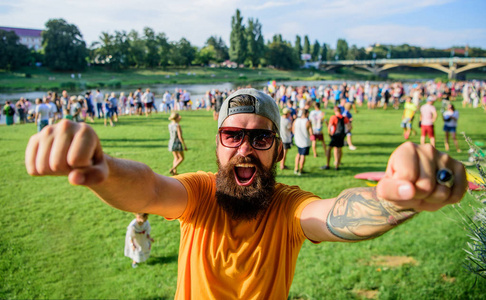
245,165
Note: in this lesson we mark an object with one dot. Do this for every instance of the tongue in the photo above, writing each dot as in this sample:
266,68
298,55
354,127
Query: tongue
245,173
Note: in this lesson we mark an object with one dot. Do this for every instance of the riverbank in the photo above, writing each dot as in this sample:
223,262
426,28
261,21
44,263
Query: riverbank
41,79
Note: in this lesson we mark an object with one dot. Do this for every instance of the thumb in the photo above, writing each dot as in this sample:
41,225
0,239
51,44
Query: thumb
395,189
88,176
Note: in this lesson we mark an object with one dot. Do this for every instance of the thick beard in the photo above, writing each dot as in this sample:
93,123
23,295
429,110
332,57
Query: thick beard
244,202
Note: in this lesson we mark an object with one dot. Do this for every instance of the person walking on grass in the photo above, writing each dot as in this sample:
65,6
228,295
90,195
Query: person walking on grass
108,111
176,142
409,110
285,135
41,114
138,241
347,113
302,129
317,120
337,131
428,115
450,116
241,218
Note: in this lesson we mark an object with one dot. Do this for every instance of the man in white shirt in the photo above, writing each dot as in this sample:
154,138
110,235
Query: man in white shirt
98,99
52,110
317,118
41,114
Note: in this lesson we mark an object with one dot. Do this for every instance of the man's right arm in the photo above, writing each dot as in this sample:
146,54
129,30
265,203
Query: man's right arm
74,150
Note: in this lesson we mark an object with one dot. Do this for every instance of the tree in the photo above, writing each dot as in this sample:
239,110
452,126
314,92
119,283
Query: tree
64,46
12,54
307,47
324,52
112,50
316,51
298,46
163,49
238,47
182,53
255,43
220,48
152,54
342,49
281,55
356,53
137,49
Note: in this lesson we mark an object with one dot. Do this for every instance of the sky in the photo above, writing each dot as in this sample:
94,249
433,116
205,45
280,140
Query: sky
424,23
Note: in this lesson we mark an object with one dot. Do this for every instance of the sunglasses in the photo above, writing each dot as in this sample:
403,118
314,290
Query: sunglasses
233,137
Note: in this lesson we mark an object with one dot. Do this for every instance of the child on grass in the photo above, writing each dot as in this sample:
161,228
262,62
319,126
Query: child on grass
138,241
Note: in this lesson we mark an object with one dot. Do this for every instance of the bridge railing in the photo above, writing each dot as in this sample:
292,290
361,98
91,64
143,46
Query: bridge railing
402,61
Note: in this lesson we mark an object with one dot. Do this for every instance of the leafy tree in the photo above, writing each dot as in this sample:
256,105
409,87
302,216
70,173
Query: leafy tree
281,55
220,48
307,47
324,52
163,49
298,46
354,53
238,45
316,51
12,54
152,54
182,53
205,55
64,46
137,49
342,49
112,50
255,43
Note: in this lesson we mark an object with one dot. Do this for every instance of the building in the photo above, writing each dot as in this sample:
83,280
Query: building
29,37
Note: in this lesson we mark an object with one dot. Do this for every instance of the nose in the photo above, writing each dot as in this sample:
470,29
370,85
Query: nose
245,148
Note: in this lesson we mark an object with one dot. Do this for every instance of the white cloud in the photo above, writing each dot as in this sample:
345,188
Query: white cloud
414,35
196,20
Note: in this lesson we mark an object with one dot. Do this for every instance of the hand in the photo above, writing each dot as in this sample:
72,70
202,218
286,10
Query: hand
410,180
67,148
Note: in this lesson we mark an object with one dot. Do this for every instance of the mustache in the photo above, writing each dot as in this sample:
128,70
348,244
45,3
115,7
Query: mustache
245,160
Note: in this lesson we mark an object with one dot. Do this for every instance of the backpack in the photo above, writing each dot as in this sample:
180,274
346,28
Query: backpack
340,129
9,111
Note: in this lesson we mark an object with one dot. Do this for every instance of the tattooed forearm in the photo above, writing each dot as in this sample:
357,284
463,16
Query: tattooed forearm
358,214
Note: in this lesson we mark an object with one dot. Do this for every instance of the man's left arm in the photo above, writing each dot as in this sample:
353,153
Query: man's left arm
409,187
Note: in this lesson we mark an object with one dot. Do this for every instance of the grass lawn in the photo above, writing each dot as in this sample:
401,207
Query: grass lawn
62,242
41,79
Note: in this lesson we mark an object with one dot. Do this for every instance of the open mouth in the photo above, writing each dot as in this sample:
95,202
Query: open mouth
244,174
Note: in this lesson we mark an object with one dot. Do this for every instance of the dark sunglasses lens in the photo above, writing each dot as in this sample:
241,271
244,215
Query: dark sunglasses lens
231,138
262,139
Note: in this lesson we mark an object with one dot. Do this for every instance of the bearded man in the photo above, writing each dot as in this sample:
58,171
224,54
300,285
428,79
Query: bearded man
241,232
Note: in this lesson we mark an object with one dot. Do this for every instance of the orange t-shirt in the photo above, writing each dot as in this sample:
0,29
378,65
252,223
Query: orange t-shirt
220,258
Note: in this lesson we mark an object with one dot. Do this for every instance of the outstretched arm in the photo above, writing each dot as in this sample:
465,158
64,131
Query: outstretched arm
408,187
74,150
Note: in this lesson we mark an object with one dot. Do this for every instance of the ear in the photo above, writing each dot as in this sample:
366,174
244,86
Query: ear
280,151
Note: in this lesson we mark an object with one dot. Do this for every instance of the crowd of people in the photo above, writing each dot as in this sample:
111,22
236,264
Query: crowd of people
241,231
296,102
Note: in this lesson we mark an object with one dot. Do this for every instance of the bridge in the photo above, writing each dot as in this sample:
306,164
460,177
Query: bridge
449,65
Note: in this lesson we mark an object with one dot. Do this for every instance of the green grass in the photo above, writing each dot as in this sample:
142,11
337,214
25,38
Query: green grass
61,242
96,77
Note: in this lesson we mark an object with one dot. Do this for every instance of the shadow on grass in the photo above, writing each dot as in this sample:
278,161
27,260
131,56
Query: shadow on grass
156,298
156,260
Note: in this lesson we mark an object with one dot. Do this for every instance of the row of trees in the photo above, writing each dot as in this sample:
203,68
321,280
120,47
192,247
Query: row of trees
65,49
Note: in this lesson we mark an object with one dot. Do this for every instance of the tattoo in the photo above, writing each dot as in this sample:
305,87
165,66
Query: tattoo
359,214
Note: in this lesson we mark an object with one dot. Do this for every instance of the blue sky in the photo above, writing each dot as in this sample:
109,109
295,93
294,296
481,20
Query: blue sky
425,23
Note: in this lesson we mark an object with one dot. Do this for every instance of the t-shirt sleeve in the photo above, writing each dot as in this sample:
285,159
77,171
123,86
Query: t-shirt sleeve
200,189
296,200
